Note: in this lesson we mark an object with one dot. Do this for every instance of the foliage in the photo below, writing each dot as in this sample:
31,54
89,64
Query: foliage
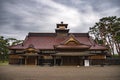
3,63
3,48
115,56
4,44
107,33
13,41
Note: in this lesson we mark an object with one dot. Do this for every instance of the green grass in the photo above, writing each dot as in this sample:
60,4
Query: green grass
116,56
3,63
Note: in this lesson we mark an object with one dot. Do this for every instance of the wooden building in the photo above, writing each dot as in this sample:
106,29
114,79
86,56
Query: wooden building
59,48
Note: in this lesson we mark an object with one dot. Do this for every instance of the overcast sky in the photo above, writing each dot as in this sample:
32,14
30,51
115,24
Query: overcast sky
19,17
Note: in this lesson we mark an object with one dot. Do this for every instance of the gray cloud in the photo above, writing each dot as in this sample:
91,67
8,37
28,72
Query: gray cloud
18,17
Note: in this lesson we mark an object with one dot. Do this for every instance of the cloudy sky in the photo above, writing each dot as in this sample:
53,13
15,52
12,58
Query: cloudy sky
18,17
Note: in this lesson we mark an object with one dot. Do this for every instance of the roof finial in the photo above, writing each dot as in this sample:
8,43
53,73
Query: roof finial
61,22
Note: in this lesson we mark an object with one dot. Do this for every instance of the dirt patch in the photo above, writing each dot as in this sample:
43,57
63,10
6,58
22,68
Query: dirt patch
9,72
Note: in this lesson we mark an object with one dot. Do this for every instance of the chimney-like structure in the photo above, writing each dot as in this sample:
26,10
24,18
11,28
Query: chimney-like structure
61,30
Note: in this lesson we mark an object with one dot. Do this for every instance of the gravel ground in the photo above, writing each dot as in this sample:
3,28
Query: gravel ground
10,72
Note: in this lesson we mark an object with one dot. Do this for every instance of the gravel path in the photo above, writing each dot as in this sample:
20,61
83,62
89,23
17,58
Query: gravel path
10,72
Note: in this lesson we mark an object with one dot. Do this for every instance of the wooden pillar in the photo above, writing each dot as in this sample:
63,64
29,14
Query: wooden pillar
26,60
54,60
36,61
20,61
61,60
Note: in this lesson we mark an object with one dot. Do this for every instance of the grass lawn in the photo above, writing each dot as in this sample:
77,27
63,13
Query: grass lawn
3,63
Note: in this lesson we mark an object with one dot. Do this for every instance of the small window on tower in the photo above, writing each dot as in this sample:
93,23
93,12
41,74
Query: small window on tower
61,27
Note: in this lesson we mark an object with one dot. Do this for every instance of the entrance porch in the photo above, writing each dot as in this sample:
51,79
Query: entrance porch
30,59
71,58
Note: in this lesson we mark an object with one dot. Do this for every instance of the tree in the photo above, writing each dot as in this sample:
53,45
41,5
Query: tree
107,30
13,41
3,48
4,44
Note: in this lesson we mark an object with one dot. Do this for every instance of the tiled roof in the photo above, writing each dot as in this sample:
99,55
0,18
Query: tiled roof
72,47
40,42
72,54
48,40
98,47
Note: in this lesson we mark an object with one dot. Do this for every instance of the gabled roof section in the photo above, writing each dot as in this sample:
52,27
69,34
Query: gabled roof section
72,43
71,39
31,48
